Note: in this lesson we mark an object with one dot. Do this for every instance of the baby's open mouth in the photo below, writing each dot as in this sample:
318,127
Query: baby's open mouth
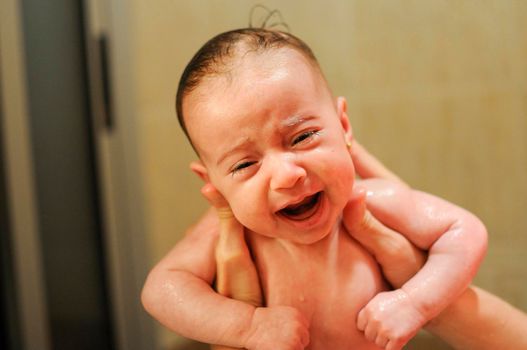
303,209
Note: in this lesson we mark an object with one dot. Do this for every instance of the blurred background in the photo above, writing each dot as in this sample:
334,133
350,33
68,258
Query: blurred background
94,179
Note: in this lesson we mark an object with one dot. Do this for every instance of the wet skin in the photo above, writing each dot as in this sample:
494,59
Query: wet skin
272,140
329,281
288,183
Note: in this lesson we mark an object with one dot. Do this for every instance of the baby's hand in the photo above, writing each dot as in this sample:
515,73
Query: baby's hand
390,319
278,327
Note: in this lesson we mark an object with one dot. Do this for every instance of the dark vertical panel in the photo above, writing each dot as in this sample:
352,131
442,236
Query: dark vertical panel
68,213
9,322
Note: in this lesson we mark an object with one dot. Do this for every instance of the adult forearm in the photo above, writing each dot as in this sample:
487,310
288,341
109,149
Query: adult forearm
479,320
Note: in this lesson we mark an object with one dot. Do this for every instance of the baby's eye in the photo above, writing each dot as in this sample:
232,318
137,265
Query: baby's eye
241,166
304,136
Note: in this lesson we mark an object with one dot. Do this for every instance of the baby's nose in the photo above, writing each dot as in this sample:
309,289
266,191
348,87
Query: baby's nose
286,172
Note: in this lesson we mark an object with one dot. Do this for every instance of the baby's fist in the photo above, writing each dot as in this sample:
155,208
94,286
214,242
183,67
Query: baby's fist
390,320
278,327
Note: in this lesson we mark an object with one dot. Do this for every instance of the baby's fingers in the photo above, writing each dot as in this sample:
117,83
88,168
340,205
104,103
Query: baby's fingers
361,320
381,341
394,345
367,325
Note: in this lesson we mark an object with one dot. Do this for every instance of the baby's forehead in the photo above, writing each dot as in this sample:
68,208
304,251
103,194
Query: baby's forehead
250,66
272,60
261,72
247,69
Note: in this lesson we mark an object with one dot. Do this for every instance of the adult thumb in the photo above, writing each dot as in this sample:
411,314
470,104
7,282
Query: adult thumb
398,257
355,211
362,225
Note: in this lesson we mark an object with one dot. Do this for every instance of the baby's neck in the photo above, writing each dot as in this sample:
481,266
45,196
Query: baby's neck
324,244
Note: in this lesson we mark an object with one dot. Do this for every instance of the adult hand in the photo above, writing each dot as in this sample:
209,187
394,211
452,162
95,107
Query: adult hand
398,257
367,166
236,275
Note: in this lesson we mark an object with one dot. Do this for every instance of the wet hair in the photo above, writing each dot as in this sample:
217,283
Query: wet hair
217,55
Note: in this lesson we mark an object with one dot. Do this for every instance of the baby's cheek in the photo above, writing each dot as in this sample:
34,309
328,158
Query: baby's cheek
345,173
247,214
344,182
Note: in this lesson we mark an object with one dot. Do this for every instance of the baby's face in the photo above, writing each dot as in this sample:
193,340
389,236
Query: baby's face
273,141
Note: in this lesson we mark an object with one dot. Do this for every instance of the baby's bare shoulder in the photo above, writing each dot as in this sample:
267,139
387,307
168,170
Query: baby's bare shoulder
419,216
389,201
384,190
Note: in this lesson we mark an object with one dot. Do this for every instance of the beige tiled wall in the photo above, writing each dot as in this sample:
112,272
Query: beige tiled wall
436,89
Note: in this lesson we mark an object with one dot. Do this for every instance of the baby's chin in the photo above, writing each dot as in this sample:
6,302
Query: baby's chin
306,237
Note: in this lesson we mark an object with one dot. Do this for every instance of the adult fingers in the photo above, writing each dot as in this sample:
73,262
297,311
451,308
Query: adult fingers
367,166
236,275
353,214
231,231
215,198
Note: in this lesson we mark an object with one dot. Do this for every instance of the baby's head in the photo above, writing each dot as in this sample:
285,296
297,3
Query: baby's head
271,138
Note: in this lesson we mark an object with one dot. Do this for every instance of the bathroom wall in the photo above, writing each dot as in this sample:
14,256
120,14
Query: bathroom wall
436,89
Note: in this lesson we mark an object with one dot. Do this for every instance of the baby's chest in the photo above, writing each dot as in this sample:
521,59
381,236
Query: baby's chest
322,287
329,289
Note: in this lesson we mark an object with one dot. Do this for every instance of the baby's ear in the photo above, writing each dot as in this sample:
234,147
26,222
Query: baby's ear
200,169
342,113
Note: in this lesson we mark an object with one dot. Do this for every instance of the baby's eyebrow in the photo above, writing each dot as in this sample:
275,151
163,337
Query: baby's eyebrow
294,120
241,143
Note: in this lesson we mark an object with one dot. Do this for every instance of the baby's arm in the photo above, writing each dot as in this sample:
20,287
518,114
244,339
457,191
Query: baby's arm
477,320
178,291
456,241
178,294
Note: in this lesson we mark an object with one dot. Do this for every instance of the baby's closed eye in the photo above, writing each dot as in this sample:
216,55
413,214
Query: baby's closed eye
305,137
241,166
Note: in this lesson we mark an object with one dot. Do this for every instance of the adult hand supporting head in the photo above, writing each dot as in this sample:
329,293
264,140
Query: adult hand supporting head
237,278
236,275
398,257
367,166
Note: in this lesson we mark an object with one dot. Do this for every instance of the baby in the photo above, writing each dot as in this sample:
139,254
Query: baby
275,143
